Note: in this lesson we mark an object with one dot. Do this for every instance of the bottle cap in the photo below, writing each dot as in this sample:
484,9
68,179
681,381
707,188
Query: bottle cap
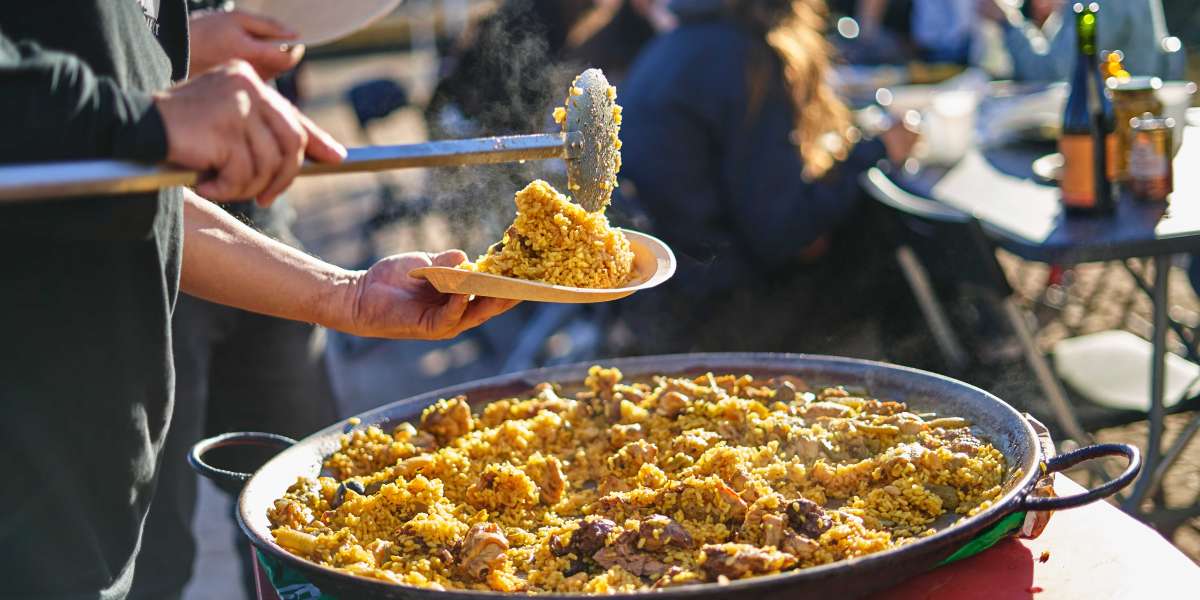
1149,122
1133,84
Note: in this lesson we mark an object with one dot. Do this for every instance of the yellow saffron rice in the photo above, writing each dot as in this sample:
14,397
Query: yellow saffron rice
553,240
628,486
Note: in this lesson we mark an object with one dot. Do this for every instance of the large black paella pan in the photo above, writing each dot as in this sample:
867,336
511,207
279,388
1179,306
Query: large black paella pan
991,419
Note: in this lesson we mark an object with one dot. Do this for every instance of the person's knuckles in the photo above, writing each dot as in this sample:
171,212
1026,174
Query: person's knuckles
238,174
236,76
241,72
287,130
282,179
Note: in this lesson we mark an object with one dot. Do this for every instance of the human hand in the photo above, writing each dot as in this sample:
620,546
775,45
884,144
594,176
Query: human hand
899,140
994,10
229,122
1041,10
385,301
216,37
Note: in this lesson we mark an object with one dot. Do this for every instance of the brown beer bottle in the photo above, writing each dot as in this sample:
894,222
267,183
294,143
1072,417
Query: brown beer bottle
1087,122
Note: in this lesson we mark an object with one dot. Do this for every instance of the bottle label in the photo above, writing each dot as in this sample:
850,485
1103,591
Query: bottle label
1078,184
1145,162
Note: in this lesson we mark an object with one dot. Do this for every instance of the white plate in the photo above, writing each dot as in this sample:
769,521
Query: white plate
653,263
321,21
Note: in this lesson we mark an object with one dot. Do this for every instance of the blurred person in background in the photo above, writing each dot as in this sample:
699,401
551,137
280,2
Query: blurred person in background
510,68
940,31
617,31
880,35
506,75
504,68
738,153
234,370
1041,47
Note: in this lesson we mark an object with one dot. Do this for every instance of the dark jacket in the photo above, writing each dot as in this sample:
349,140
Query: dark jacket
88,289
724,187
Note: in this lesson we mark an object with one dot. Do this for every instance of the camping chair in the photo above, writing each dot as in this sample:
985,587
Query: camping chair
934,231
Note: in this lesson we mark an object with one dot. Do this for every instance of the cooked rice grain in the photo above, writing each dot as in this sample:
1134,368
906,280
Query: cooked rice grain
628,486
553,240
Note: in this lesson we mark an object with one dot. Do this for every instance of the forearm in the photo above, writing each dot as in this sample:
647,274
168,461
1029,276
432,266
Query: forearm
227,262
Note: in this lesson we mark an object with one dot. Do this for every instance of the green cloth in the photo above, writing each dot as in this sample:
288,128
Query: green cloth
289,584
87,291
987,538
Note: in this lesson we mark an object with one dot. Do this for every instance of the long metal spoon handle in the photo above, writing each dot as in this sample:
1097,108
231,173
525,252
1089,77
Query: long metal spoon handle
44,181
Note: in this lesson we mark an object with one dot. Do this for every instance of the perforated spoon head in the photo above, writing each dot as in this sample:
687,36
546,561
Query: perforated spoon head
592,111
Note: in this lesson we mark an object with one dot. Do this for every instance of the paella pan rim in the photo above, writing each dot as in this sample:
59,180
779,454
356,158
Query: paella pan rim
1025,455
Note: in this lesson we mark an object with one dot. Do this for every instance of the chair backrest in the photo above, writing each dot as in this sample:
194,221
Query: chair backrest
952,244
375,99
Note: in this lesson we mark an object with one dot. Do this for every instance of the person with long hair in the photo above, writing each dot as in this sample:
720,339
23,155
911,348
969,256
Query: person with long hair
742,157
1042,46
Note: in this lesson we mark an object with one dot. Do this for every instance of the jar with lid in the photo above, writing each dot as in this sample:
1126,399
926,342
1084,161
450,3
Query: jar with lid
1131,97
1151,177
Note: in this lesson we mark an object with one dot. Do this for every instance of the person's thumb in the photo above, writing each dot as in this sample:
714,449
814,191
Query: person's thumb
450,258
270,58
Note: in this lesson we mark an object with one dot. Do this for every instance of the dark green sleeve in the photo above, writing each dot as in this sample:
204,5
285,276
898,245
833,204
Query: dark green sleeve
53,107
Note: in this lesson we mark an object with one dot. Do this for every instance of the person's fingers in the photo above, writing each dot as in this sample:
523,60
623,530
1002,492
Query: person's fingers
291,138
288,167
321,146
295,53
232,176
263,26
445,318
404,264
449,258
482,309
267,157
269,58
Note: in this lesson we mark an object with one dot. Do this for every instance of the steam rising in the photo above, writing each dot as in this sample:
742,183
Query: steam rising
507,83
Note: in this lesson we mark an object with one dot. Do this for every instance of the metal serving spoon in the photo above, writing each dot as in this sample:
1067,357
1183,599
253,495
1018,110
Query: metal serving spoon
587,143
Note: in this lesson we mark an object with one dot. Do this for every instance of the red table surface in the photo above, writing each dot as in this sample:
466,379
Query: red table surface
1095,552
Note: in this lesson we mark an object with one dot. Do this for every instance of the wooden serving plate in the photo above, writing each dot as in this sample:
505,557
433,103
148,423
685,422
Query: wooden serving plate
653,263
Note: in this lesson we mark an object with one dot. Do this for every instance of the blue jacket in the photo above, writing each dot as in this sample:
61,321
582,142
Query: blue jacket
1136,27
723,188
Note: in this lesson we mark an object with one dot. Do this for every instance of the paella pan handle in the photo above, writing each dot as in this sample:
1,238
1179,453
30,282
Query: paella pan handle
1108,488
253,441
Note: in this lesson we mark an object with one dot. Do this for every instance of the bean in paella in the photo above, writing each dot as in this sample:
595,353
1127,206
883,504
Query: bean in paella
630,486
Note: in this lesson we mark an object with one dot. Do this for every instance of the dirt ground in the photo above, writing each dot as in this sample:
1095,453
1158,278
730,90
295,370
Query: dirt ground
1105,297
